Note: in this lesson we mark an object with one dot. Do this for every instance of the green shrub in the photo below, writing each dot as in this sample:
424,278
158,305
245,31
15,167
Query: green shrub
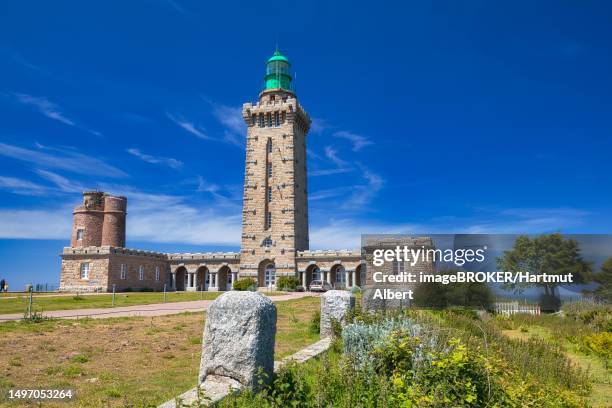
245,284
145,289
287,283
128,290
315,323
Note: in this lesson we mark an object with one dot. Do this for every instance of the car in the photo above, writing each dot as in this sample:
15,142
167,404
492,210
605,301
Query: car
320,286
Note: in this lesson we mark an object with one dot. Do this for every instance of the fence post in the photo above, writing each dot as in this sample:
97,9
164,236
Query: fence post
30,304
113,295
164,293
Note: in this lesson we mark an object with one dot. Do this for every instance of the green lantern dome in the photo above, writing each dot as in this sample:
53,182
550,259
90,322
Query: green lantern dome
277,72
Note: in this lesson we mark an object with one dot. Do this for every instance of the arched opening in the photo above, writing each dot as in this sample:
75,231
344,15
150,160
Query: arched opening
337,276
202,278
359,271
266,273
312,273
181,275
224,278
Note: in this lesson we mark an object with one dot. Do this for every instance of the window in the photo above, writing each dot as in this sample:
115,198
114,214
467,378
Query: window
267,242
261,120
269,146
340,275
268,222
80,233
269,170
123,274
276,119
254,119
316,273
141,272
269,194
85,270
398,267
270,275
157,273
269,119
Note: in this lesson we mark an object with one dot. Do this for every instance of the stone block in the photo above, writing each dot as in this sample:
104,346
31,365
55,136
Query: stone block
238,340
335,304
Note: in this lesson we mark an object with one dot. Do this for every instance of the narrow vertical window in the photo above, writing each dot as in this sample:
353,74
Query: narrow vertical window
123,274
269,146
269,170
157,273
254,119
276,119
141,272
80,233
268,220
85,270
261,120
269,194
269,119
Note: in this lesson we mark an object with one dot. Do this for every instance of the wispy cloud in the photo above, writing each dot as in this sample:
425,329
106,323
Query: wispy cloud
165,161
63,159
331,154
51,110
231,118
358,141
189,126
205,186
45,107
319,125
62,183
20,186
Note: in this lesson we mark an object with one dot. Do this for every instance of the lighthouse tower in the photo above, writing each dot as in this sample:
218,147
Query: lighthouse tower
275,208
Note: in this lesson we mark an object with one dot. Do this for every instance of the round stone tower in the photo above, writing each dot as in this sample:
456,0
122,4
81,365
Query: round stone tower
113,229
88,219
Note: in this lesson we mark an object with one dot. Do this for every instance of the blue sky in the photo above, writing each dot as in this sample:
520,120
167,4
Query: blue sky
428,117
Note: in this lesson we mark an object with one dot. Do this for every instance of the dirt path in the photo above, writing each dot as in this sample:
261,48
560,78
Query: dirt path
155,309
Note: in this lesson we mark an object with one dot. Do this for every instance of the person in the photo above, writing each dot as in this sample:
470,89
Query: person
2,285
5,286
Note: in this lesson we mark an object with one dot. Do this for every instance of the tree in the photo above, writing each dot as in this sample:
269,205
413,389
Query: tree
439,296
604,278
545,254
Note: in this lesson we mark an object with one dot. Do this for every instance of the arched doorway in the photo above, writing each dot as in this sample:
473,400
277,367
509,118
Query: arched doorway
338,276
202,278
358,275
312,273
224,278
266,273
181,276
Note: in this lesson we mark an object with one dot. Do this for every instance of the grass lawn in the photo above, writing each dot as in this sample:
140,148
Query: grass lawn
132,361
46,303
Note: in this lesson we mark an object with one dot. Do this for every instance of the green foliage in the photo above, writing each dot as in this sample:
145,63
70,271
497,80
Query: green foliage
604,278
244,284
545,254
438,295
287,283
146,290
315,323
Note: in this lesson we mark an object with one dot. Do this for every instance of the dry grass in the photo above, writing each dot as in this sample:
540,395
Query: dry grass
135,362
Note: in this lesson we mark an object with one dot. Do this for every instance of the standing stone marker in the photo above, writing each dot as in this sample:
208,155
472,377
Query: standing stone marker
238,342
335,304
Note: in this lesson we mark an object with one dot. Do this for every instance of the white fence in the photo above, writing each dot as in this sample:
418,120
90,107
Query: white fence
510,308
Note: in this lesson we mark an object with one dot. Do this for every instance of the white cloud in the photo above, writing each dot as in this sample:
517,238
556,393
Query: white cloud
188,126
20,186
36,224
51,110
64,159
62,183
166,161
358,141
